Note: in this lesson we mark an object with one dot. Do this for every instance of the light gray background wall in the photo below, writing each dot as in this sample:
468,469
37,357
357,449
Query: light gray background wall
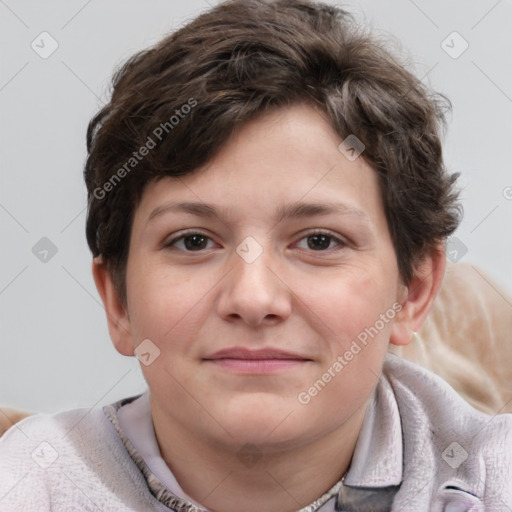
55,349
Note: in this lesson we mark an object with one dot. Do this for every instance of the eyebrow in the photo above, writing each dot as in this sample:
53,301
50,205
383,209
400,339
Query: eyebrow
290,211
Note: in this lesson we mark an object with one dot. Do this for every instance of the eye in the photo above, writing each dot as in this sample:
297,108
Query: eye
195,241
320,241
189,242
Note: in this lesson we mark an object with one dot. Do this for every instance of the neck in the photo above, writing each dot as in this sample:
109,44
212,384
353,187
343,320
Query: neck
255,478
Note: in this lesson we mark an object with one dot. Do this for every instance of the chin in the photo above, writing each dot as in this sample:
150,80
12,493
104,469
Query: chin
264,425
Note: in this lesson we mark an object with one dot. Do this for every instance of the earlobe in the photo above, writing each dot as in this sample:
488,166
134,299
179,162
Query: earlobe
420,295
118,321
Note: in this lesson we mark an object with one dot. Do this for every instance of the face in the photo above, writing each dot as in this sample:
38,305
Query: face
267,284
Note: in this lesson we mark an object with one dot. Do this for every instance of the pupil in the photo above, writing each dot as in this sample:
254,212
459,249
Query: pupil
314,242
323,240
195,242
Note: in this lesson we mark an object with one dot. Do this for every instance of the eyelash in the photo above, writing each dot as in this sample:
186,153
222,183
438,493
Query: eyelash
341,243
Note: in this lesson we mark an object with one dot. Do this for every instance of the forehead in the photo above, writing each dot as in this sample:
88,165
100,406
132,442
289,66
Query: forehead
285,156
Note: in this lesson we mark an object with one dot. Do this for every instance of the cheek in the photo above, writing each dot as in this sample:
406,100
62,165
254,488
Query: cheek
344,307
168,309
168,306
361,315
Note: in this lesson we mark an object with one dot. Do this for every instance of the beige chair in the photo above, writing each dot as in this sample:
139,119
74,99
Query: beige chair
8,417
466,339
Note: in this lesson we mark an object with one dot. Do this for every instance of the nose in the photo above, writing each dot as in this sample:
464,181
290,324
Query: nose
253,292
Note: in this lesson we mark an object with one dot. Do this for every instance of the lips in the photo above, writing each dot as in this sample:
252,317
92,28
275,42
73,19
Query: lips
267,361
261,354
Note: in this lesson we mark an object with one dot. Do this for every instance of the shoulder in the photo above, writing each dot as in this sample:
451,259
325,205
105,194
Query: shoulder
29,455
62,428
436,399
56,461
21,441
448,441
436,404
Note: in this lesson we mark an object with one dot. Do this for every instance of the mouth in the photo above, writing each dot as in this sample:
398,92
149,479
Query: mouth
242,360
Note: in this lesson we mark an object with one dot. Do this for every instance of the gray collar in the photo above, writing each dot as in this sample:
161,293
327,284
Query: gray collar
376,470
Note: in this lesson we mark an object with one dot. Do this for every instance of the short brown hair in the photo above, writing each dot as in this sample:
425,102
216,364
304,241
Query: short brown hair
243,58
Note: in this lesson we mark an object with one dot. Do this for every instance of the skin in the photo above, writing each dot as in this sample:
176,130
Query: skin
302,294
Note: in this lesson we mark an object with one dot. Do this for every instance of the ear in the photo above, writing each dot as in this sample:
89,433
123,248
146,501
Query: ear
118,320
418,296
